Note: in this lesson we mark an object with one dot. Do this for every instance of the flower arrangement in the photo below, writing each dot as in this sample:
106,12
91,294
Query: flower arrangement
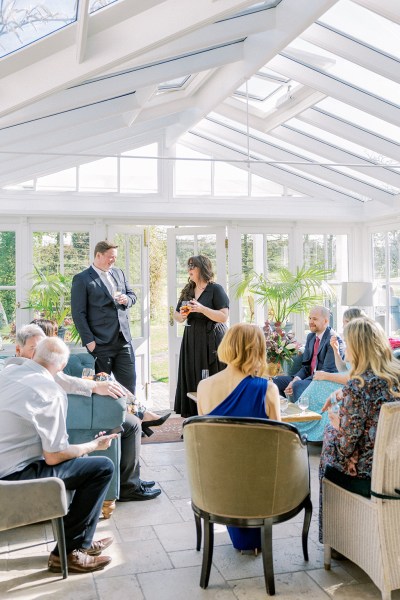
281,345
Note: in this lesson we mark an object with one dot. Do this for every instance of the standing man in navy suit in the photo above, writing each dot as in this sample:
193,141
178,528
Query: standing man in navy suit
100,299
318,355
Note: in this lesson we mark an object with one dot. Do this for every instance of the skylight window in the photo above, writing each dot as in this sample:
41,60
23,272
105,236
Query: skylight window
345,70
364,25
95,5
173,84
23,22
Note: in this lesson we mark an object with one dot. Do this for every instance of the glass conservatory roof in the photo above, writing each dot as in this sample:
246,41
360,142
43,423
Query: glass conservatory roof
302,93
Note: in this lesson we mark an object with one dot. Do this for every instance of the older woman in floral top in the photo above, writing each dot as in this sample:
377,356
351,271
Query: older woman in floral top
349,439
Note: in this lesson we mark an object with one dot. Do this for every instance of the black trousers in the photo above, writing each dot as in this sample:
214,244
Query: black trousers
89,477
117,358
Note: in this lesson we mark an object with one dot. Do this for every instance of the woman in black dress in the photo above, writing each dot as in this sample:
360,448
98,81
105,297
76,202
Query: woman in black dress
209,310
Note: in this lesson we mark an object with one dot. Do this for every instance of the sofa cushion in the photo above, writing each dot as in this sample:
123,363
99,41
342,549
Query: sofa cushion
77,362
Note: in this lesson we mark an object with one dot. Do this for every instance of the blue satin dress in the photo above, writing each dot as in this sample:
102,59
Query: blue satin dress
246,400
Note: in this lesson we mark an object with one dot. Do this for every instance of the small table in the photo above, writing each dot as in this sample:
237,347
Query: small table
293,413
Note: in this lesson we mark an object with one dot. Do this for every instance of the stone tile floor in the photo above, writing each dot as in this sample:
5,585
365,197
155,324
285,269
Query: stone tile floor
154,556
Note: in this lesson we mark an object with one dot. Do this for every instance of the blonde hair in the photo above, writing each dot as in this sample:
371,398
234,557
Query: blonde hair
370,350
243,347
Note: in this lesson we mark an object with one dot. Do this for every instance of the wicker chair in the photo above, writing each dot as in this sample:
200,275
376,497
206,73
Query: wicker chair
246,472
34,500
367,531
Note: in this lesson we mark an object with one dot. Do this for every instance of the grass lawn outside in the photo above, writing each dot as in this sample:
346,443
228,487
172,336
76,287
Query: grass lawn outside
159,352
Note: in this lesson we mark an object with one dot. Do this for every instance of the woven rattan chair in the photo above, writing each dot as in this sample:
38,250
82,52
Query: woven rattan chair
247,473
32,501
367,531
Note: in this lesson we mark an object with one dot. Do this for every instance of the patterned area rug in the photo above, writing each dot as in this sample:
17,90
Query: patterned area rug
170,431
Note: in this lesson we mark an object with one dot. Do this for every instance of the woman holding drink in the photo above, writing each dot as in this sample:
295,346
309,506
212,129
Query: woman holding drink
203,308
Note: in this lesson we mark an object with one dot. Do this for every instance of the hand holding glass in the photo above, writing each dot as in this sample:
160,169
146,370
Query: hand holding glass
88,373
117,293
185,310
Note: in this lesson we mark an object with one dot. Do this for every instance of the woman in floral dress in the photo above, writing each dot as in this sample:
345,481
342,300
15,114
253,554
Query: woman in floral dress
349,439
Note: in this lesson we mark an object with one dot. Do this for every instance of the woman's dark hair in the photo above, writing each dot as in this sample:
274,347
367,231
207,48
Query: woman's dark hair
206,274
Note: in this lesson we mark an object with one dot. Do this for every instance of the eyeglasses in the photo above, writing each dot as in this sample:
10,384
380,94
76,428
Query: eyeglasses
191,266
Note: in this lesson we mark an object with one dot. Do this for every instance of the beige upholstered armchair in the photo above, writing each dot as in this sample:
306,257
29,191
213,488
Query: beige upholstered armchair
367,531
32,501
246,472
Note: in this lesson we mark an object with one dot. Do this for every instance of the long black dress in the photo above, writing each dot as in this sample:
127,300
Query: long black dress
199,348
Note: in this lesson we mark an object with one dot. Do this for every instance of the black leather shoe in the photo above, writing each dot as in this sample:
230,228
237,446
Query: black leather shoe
141,494
156,422
146,431
147,484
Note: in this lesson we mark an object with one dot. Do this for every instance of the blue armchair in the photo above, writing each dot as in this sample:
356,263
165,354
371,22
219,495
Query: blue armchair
87,415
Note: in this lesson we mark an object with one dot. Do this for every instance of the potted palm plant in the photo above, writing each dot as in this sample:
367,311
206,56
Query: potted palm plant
285,292
47,296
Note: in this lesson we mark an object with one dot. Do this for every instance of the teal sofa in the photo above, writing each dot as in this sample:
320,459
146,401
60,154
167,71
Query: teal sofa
87,415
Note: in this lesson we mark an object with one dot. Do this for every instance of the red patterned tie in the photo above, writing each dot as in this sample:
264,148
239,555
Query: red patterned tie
314,356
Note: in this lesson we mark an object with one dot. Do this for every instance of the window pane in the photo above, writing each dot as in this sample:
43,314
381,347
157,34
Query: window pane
264,187
230,181
7,315
394,250
277,251
192,177
62,181
7,262
184,249
99,176
379,255
140,175
46,251
76,252
135,314
207,245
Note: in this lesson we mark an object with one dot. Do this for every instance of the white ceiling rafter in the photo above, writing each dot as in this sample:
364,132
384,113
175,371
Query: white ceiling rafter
82,30
386,8
332,86
305,165
111,47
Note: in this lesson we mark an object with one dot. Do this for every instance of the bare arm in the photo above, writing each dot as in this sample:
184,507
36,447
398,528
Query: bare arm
272,402
339,362
219,316
77,450
340,378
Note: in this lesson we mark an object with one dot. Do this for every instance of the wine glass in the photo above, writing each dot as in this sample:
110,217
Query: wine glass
185,310
303,404
117,293
284,404
205,373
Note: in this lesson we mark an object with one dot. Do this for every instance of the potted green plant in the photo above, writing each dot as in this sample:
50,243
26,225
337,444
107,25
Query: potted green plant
47,296
285,292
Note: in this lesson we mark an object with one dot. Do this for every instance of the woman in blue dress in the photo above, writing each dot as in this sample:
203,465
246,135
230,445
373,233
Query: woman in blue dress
241,390
324,384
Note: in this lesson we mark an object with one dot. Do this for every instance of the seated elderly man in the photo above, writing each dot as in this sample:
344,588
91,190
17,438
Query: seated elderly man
34,444
132,487
318,355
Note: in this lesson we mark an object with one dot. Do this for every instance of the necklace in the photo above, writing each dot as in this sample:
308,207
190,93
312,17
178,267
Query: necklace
202,288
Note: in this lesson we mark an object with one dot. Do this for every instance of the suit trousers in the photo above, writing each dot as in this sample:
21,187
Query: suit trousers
117,358
89,478
131,439
282,381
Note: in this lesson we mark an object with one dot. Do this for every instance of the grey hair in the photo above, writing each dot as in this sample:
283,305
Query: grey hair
27,332
51,352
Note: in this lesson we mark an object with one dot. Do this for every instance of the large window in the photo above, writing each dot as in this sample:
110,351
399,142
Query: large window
7,285
386,276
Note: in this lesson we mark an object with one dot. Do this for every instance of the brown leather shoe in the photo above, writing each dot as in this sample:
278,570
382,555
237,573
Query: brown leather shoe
78,562
97,547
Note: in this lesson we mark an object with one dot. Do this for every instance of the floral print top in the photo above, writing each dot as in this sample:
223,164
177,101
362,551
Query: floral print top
359,416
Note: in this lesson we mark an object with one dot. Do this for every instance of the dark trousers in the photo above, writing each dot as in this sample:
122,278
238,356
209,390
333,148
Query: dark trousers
282,381
131,439
117,358
89,478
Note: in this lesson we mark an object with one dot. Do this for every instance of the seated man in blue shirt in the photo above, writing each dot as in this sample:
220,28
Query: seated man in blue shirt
317,356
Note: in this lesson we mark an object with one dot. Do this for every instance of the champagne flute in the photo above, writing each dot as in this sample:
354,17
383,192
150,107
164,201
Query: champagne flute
303,404
185,310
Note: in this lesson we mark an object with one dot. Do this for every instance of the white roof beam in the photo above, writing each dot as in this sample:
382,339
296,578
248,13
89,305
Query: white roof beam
111,47
292,16
337,155
351,50
378,144
386,8
82,30
275,153
331,86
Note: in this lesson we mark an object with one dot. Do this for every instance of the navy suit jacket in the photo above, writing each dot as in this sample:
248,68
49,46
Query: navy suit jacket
325,356
95,313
